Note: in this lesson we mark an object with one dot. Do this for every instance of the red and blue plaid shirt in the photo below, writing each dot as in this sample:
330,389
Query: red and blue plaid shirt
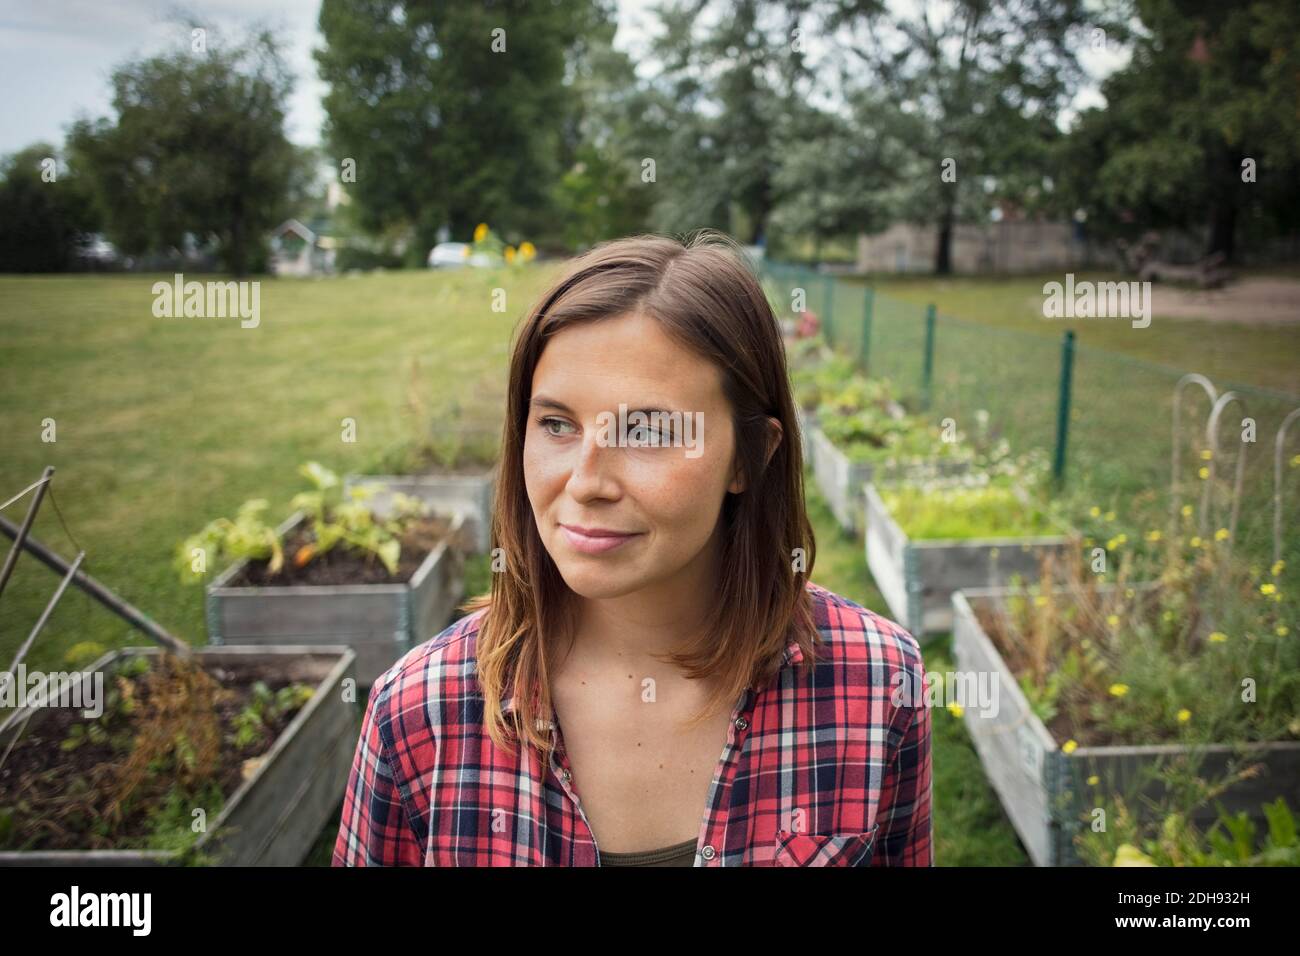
820,768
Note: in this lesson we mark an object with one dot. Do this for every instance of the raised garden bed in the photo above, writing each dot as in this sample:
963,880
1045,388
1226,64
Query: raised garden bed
380,620
917,575
1046,791
470,493
840,476
268,736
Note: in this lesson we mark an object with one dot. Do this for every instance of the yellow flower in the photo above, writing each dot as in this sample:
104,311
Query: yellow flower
1069,747
1217,637
956,709
1269,588
1094,780
1277,568
1040,601
1118,690
1203,473
1196,541
1206,454
1153,535
1221,534
527,250
1094,511
1129,592
510,253
1113,620
1187,511
1184,715
480,232
1116,541
1295,461
1282,630
1110,516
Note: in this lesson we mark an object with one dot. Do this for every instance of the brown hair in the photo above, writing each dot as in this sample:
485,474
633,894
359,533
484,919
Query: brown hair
705,297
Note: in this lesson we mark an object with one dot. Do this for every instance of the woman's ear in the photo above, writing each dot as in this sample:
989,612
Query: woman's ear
774,434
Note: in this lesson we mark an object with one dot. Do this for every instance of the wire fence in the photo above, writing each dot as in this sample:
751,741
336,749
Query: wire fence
1104,419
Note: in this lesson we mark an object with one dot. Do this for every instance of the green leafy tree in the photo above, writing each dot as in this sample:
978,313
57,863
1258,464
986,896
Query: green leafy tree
1200,129
197,147
46,214
978,91
452,114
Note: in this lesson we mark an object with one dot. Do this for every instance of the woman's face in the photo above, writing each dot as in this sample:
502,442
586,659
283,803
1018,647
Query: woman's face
617,518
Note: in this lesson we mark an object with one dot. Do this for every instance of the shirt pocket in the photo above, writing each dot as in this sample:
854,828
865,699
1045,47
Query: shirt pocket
818,849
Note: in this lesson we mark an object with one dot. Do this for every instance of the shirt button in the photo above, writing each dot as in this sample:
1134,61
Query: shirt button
566,775
741,723
708,852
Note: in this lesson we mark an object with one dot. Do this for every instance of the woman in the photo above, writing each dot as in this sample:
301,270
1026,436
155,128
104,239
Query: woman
691,697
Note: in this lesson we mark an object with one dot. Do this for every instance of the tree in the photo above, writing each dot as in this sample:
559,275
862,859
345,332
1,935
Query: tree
982,82
197,147
1200,130
451,114
727,80
45,212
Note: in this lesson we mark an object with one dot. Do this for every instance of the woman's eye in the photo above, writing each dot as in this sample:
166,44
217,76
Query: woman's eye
644,436
550,425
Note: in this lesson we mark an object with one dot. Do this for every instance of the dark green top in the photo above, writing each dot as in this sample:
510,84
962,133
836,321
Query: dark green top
682,854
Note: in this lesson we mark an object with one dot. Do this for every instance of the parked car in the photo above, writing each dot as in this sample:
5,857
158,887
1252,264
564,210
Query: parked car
454,255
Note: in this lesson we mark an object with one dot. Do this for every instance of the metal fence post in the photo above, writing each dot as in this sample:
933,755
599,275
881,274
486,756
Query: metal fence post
829,302
927,372
1063,407
864,351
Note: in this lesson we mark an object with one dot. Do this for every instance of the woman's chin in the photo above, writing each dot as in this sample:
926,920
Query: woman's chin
595,582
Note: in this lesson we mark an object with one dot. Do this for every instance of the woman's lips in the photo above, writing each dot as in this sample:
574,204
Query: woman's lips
594,540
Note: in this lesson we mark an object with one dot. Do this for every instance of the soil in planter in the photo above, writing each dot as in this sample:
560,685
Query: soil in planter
340,565
171,739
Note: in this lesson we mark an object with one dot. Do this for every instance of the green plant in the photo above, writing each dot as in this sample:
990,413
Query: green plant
248,536
1233,839
264,708
961,512
332,520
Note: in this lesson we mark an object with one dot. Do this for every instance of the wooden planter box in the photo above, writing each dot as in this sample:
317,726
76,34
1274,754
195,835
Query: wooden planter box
275,816
1045,792
918,578
470,494
840,479
381,622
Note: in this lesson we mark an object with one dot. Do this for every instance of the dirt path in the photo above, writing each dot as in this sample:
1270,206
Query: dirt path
1253,301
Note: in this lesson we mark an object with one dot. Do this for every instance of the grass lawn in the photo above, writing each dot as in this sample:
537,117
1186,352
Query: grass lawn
1264,356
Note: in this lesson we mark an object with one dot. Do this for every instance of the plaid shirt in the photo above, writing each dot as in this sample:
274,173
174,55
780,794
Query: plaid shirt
817,770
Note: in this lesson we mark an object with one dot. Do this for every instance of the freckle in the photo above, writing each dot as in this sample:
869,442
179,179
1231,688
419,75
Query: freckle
629,676
661,766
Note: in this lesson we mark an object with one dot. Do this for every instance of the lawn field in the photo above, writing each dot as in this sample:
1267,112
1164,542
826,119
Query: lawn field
1237,352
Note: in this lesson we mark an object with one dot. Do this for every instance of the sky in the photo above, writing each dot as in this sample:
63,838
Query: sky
56,56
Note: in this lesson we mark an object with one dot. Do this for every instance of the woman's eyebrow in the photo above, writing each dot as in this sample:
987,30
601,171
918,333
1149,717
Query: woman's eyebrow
544,401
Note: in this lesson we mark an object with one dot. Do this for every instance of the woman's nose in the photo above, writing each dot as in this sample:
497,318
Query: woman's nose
594,468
